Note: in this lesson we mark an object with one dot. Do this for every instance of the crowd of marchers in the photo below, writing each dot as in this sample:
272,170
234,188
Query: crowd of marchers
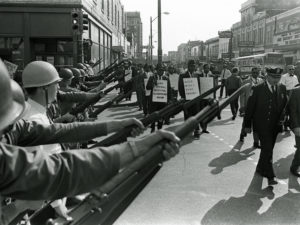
43,142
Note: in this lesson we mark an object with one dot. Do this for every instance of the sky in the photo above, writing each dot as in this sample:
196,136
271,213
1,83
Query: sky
187,19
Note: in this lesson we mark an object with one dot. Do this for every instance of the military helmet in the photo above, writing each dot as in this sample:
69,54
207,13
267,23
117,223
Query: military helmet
39,74
12,102
81,66
66,74
76,72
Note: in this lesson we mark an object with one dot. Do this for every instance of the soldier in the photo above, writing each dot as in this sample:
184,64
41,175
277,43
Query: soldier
264,111
38,176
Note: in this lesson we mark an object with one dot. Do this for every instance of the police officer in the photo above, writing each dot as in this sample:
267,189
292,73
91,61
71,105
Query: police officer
38,176
264,110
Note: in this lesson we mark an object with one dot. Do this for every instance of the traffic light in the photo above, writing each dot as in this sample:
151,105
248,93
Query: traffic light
75,20
85,21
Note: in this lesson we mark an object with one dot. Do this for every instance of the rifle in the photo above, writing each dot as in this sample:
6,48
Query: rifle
104,205
80,108
116,99
168,111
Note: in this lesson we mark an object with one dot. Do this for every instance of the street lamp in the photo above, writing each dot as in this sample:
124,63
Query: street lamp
159,35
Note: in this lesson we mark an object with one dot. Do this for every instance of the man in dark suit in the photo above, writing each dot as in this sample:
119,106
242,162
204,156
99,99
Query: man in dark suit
293,110
264,111
193,110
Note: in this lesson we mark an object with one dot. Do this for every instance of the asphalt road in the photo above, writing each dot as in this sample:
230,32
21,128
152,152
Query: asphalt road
213,180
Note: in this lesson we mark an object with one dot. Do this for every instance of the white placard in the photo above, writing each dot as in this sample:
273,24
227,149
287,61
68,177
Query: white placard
191,88
160,91
206,83
128,75
174,81
11,68
147,92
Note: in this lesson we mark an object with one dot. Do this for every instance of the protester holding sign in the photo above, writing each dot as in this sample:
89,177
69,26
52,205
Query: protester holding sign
189,88
160,87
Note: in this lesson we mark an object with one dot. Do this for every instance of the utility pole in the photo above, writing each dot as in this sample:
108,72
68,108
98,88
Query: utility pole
159,50
151,48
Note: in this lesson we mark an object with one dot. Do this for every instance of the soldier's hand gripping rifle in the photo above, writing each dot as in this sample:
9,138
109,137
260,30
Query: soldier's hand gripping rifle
104,205
80,108
168,111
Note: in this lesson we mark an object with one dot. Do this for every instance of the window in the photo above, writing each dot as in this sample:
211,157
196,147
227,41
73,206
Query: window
102,5
118,20
116,15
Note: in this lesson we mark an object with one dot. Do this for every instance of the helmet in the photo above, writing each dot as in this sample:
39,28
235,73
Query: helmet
39,74
12,102
76,72
82,72
81,66
66,74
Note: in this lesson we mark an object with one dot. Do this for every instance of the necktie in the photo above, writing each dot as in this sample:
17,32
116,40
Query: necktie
273,89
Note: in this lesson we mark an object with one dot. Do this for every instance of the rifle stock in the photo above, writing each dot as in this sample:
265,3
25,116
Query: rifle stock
105,204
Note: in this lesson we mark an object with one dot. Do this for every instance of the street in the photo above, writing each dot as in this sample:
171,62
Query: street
213,181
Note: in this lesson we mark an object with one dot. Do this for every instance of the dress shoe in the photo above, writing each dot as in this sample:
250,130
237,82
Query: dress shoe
294,172
272,181
241,139
205,131
256,145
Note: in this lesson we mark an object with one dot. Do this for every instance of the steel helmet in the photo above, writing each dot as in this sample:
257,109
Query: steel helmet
82,72
12,102
76,72
66,74
81,66
39,74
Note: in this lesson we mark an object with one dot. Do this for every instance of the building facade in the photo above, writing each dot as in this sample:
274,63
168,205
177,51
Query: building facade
267,26
52,31
134,28
172,56
212,49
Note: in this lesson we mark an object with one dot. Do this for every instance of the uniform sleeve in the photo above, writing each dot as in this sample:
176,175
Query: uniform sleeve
32,133
38,176
250,107
76,97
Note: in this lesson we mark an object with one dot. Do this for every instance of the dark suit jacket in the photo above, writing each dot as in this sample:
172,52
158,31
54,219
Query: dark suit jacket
294,108
264,110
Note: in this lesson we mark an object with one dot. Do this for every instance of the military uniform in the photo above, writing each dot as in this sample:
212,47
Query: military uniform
264,111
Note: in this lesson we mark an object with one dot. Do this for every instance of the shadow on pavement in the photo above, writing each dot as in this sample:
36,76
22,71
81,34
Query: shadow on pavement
282,167
281,136
285,209
240,210
230,158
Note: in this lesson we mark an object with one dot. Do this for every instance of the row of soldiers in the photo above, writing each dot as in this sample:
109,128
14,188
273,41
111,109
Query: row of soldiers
36,160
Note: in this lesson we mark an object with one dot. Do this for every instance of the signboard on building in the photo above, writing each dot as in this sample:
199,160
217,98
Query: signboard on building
288,23
160,91
246,44
226,55
286,39
225,34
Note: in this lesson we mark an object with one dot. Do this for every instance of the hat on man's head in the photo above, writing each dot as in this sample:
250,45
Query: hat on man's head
191,62
274,72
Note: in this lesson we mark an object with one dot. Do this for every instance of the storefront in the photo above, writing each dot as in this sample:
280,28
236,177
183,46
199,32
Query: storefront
45,33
